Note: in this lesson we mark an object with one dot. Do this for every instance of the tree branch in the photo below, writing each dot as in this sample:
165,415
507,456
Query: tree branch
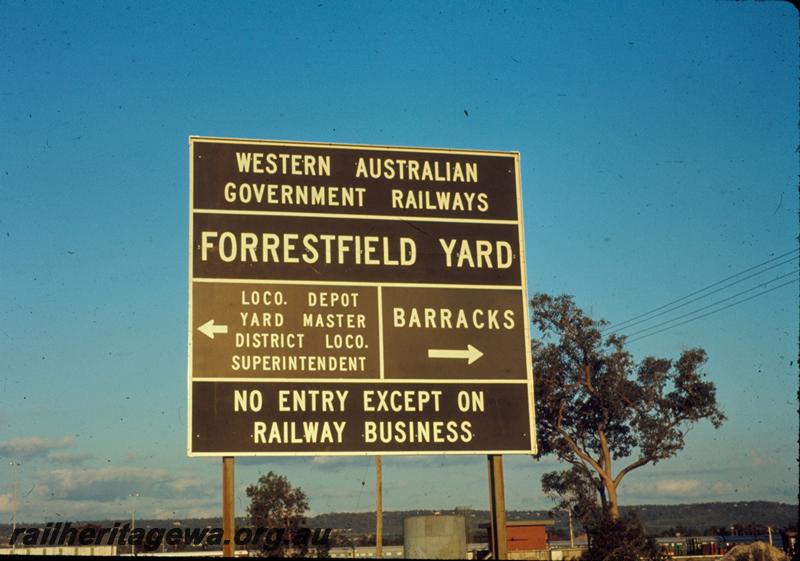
588,383
642,460
604,451
584,456
630,467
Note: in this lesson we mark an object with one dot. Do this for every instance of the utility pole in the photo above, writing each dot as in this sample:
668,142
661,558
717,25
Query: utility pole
571,535
378,507
133,522
14,485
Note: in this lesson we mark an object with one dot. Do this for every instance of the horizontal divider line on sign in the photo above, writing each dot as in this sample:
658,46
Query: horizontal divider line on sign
356,216
370,453
359,283
352,147
367,380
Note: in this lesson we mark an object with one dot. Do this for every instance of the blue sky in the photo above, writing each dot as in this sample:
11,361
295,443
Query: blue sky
658,147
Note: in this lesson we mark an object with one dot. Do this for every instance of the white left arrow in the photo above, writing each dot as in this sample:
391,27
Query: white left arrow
209,329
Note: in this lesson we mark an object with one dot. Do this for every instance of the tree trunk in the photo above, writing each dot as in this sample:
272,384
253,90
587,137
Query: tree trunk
613,505
601,490
605,476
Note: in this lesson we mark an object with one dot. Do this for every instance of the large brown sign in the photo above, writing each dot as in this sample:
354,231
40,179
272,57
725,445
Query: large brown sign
356,300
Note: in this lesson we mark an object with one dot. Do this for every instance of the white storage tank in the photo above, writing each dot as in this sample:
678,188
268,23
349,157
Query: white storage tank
435,537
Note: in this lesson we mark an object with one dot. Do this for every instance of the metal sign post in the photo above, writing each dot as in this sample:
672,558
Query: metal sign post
228,507
497,503
378,507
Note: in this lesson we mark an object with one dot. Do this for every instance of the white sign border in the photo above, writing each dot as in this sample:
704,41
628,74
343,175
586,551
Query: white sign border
523,289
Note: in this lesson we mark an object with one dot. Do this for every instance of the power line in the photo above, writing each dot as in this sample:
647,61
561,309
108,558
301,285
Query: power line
762,285
713,311
619,324
363,483
720,289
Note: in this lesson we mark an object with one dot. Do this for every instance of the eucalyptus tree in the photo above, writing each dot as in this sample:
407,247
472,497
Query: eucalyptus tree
604,413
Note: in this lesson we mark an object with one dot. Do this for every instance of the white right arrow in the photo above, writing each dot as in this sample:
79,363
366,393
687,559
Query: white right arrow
471,353
209,329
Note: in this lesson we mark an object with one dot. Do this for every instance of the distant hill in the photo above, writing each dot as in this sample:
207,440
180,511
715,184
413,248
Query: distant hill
700,516
689,519
657,519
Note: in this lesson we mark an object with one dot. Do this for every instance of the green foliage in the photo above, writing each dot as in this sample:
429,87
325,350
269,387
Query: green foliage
575,490
620,539
595,405
274,503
